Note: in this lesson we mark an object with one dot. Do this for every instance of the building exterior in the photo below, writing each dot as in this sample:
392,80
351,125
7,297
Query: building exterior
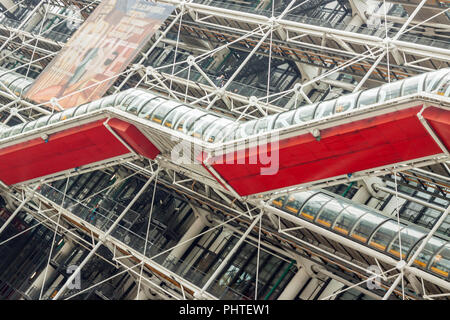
251,150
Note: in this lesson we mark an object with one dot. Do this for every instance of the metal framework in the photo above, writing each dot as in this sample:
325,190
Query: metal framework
243,61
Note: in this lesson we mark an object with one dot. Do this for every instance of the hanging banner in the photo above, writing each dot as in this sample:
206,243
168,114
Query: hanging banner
98,52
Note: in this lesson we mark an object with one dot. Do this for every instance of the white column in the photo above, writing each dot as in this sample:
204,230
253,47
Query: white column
310,290
332,287
391,206
295,285
362,195
193,231
9,5
354,23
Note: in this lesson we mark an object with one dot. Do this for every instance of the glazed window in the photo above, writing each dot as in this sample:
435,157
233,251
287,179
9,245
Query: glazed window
42,121
384,235
137,104
324,109
305,113
147,110
186,120
245,129
348,218
96,105
175,115
368,98
118,99
265,124
330,212
390,91
201,125
434,79
284,119
430,249
409,237
278,202
80,110
346,102
17,129
162,110
413,85
216,131
54,118
367,225
441,262
444,87
69,113
29,126
295,202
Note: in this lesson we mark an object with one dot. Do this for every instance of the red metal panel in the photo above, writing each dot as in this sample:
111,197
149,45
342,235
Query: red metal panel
64,150
439,120
134,138
356,146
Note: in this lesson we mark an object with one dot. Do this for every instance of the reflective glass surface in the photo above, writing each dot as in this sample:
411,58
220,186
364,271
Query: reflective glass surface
366,225
330,212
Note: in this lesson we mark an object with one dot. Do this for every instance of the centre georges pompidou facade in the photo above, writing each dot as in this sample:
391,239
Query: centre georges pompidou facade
214,149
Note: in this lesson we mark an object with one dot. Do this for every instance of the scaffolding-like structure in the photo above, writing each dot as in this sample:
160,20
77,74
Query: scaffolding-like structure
138,225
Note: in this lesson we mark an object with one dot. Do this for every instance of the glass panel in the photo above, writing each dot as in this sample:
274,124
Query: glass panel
120,97
17,129
94,105
430,249
295,201
278,202
444,87
67,114
188,119
29,126
367,225
346,102
347,219
201,125
215,132
81,110
384,235
175,115
54,118
42,121
285,119
265,124
147,110
142,97
413,85
305,113
330,212
4,133
368,98
433,79
126,102
409,237
163,109
245,129
441,262
390,91
324,109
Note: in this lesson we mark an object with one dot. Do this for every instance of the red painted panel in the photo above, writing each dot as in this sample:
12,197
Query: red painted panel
64,150
439,120
356,146
134,138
